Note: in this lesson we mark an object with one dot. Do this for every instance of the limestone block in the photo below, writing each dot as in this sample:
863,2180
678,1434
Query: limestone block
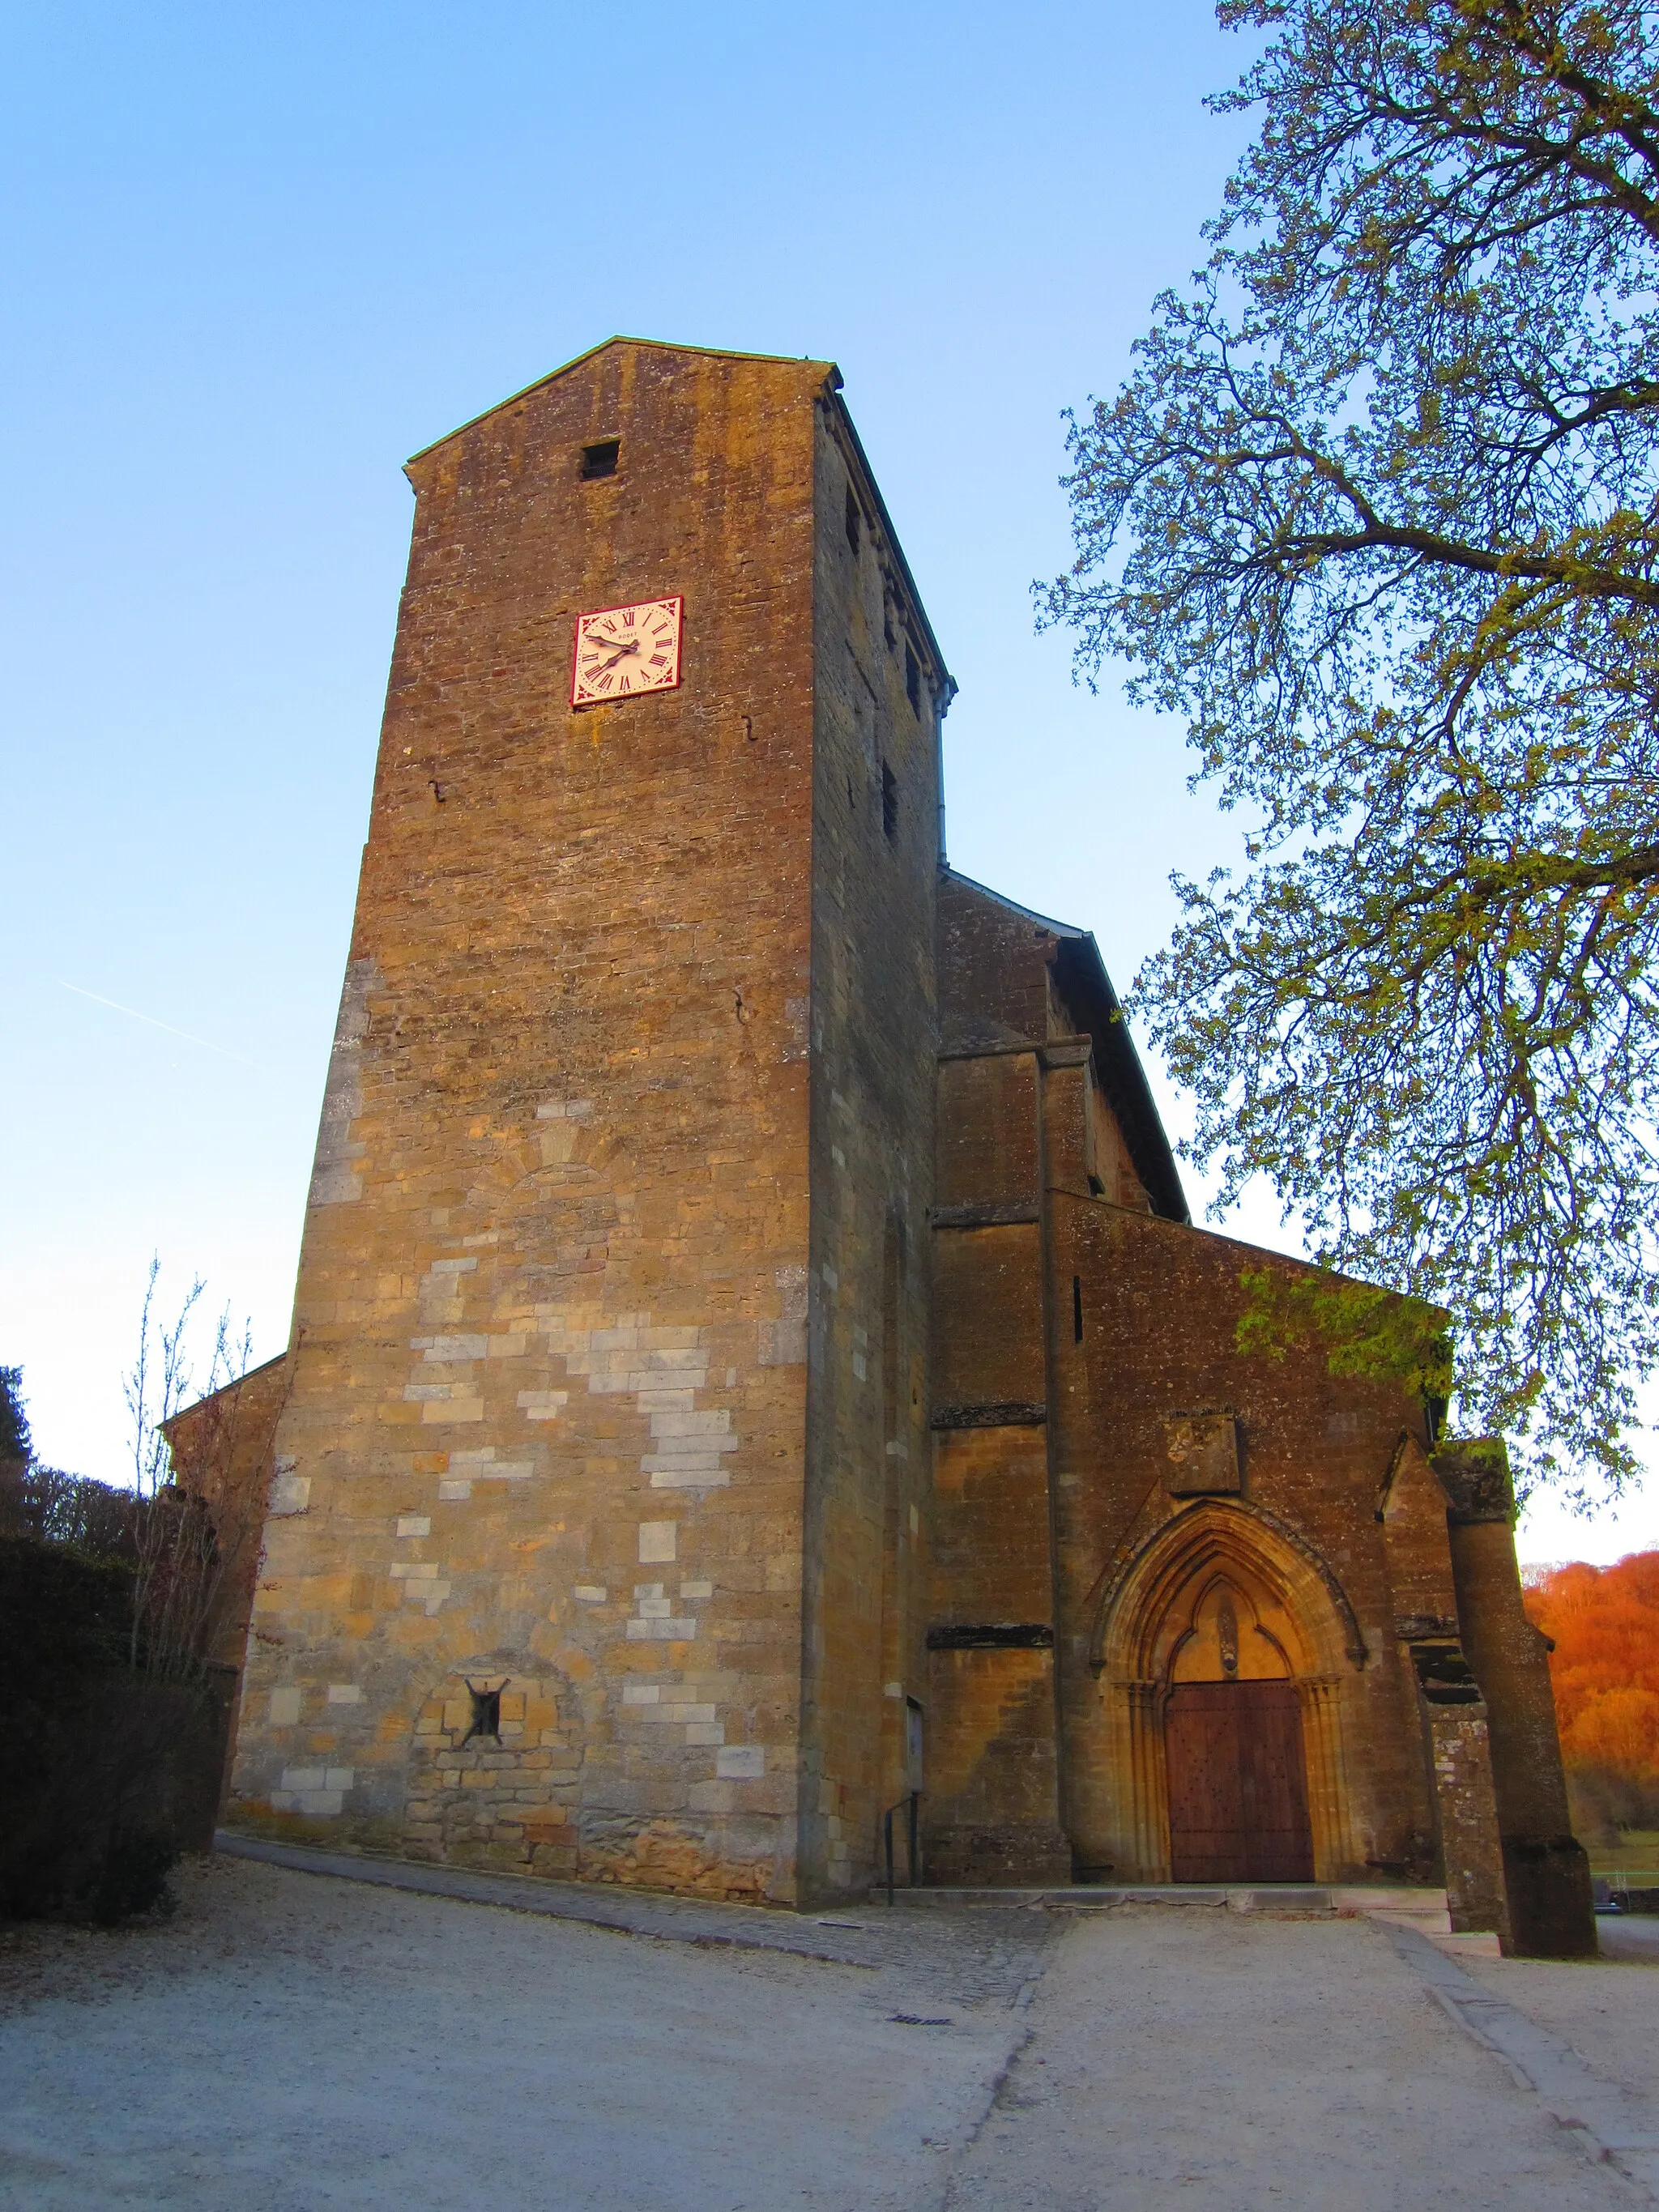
290,1493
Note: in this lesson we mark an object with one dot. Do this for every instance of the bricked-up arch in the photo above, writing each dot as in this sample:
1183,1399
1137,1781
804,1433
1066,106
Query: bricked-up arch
507,1800
1147,1616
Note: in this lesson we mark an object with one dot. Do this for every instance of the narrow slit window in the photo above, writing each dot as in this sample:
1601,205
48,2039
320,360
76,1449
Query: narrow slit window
913,677
852,520
889,800
486,1714
1077,1309
600,460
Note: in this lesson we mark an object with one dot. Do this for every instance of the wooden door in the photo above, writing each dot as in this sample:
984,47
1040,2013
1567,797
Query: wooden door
1238,1783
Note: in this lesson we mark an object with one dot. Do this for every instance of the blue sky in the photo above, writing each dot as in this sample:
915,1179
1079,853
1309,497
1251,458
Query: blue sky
257,257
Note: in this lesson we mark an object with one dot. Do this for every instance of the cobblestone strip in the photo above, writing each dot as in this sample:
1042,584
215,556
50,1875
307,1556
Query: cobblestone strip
1605,2121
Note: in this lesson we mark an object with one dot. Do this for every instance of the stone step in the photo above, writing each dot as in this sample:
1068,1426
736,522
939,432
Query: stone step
1424,1910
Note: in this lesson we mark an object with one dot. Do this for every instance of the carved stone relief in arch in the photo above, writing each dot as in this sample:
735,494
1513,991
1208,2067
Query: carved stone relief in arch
1234,1630
1222,1592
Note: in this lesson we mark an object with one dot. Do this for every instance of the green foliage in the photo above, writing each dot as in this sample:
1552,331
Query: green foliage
114,1715
61,1617
81,1743
15,1442
1364,1331
1378,514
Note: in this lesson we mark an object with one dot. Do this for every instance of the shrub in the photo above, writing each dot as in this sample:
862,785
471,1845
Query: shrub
106,1763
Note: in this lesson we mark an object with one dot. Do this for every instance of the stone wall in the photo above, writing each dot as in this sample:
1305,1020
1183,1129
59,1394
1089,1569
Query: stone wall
548,1405
1154,1453
880,692
221,1450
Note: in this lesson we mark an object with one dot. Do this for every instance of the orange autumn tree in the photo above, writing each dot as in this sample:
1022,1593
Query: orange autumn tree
1605,1625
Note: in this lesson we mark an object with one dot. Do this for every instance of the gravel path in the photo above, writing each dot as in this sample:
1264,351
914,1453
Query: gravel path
1199,2059
1609,2015
290,2043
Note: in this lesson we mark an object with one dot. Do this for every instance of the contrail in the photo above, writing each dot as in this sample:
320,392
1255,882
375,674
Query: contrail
205,1043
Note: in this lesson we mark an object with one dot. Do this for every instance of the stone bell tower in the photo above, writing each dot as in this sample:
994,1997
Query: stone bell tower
592,1540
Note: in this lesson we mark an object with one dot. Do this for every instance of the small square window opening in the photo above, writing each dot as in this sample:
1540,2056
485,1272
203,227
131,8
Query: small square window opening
913,677
889,800
600,460
486,1713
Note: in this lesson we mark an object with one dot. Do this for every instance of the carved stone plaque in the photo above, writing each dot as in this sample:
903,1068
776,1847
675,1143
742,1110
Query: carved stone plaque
1202,1450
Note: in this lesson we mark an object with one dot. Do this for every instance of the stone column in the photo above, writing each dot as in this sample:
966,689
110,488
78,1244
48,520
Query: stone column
1466,1801
1552,1911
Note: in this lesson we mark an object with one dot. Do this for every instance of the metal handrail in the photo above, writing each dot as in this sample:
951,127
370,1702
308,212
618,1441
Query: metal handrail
909,1804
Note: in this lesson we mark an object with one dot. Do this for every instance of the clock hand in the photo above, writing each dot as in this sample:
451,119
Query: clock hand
632,646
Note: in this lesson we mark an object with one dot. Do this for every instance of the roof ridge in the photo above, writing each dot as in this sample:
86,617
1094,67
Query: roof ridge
657,345
1060,928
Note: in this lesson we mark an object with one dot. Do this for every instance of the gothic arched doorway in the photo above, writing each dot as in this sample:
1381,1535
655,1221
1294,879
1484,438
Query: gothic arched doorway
1235,1766
1223,1650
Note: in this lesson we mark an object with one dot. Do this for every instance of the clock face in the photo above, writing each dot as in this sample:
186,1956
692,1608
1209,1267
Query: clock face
623,651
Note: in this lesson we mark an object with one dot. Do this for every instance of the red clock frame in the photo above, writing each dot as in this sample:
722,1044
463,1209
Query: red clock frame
674,600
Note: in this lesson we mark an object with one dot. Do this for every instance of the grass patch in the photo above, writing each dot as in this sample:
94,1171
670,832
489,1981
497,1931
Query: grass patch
1637,1851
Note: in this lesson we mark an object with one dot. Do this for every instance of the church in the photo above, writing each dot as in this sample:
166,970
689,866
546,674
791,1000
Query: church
754,1391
